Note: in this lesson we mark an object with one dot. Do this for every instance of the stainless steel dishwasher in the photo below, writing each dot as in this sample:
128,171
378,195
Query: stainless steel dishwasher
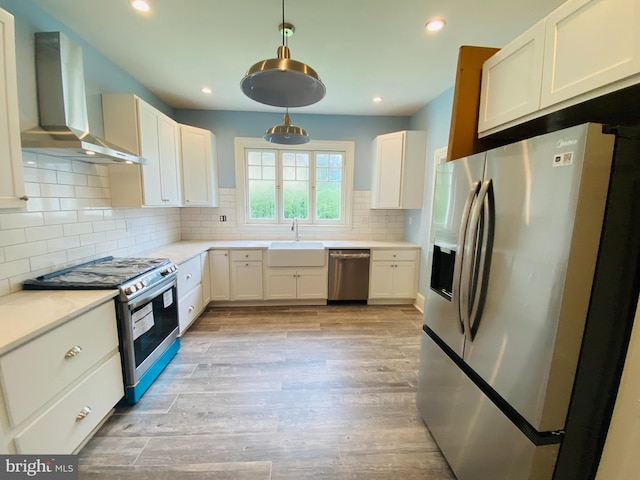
349,274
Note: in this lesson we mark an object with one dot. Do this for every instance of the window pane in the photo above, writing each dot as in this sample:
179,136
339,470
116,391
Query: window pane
336,160
289,173
262,199
328,196
328,186
269,173
295,197
288,159
261,185
302,159
322,160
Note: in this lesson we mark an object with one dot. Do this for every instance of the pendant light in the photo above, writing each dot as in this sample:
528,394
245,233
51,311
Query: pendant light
286,134
281,81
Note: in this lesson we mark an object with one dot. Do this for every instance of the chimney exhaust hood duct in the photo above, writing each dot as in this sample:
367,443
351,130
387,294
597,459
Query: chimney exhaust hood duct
62,105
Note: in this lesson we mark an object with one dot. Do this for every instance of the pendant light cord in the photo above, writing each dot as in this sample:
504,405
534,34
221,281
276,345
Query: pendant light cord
283,35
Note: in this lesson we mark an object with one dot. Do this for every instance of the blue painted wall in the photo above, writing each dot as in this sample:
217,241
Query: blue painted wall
227,125
435,118
101,75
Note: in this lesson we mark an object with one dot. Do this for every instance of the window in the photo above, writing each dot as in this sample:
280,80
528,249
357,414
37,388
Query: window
311,182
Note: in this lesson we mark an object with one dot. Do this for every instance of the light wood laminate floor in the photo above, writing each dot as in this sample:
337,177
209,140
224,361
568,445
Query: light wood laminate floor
279,393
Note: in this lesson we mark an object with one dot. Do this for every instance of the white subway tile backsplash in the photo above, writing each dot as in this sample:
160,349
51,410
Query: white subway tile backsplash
48,261
21,220
34,234
77,228
11,237
63,243
43,204
69,220
81,253
66,178
17,267
24,250
59,218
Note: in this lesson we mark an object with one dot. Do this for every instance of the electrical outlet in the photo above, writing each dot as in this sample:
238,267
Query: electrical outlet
223,218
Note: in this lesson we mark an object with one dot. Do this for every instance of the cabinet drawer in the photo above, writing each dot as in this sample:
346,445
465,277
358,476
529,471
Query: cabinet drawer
33,373
391,255
189,307
189,275
238,255
58,430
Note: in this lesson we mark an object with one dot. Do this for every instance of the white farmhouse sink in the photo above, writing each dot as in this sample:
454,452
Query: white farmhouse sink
296,254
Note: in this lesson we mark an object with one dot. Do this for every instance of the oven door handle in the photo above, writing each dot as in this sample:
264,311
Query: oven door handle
167,283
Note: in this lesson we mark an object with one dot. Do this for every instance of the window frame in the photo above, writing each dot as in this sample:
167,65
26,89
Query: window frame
314,147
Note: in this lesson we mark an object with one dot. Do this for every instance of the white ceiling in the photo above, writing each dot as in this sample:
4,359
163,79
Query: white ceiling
360,48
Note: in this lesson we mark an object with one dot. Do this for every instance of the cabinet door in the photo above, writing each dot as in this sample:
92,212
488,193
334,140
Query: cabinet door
219,274
511,80
388,170
169,161
312,283
150,151
199,167
246,280
11,181
206,278
381,280
404,280
281,284
589,44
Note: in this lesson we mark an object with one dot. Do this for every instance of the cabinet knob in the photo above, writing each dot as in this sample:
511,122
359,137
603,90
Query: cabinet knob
246,264
25,198
246,256
188,276
191,309
73,352
83,413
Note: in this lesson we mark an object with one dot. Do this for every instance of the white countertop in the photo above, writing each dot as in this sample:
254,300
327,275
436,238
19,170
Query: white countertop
29,313
181,251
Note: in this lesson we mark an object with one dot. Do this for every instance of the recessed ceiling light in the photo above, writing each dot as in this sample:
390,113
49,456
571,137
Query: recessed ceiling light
140,5
435,24
206,90
89,152
377,99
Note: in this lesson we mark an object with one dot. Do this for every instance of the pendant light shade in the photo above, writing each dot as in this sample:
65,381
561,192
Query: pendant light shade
281,81
286,134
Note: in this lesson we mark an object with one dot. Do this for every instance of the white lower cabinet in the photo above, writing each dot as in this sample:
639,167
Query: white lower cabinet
393,275
246,275
58,387
70,420
219,275
190,292
304,283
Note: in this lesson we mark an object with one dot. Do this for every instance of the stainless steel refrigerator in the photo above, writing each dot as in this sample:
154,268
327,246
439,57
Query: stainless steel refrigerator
516,241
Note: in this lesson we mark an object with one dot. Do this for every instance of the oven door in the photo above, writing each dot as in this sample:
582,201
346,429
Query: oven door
148,326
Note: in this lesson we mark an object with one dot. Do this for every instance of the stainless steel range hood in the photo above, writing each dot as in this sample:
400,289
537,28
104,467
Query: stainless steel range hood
62,105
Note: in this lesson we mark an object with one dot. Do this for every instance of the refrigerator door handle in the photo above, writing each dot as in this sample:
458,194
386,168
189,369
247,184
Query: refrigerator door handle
477,259
457,268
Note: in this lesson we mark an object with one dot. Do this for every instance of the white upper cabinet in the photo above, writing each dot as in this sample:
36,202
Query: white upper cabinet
199,167
132,124
589,44
398,170
582,50
11,181
511,80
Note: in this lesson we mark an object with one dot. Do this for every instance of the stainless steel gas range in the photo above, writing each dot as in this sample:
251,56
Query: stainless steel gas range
146,309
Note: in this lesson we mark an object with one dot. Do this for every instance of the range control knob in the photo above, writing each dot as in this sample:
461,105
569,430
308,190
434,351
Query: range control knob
130,289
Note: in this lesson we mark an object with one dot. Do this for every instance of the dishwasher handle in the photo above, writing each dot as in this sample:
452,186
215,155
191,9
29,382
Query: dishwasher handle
339,255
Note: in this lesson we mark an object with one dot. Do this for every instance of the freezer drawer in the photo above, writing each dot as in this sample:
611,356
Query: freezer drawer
477,439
